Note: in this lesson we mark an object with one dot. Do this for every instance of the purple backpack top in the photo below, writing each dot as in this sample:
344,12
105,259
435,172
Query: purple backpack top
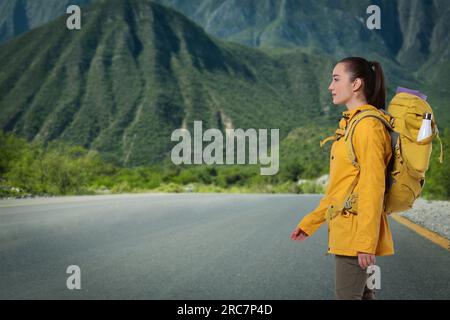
411,91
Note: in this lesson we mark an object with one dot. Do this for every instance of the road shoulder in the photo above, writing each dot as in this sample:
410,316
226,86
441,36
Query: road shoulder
428,218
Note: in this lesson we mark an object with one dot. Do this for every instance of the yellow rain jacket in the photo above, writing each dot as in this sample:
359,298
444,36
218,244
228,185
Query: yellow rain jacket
367,230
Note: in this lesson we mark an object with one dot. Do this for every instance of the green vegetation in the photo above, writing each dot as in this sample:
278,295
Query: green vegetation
62,169
55,169
437,181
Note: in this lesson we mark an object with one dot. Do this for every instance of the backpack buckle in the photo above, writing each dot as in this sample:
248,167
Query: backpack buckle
347,204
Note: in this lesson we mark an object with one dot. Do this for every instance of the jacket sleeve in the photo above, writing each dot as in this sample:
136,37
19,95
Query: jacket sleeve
370,141
313,220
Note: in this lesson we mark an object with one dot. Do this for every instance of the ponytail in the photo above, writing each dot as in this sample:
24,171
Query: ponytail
372,76
378,94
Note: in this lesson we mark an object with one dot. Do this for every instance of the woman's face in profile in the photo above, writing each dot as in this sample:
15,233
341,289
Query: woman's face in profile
341,87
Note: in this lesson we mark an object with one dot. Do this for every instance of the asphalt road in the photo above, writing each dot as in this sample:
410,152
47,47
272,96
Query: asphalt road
190,246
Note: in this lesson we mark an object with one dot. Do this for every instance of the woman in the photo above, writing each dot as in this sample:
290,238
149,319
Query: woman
355,238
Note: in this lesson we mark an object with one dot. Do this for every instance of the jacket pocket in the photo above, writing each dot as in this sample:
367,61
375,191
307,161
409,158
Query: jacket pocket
342,231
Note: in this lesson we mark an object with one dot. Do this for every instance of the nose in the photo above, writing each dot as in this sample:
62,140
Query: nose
330,87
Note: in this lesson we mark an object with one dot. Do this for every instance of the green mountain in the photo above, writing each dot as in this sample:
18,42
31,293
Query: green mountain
137,70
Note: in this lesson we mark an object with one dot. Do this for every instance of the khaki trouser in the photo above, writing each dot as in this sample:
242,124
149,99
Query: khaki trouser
351,280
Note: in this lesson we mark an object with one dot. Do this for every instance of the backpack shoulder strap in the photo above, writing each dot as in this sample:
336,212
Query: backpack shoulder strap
381,115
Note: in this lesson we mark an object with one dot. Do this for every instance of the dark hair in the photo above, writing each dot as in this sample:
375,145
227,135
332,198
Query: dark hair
372,76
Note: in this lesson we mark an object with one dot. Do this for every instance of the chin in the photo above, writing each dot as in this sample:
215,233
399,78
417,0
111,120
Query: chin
338,102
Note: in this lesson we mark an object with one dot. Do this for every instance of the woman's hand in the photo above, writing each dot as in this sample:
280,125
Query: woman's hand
365,259
298,234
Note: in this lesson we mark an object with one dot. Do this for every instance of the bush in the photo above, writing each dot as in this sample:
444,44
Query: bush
310,187
170,187
437,178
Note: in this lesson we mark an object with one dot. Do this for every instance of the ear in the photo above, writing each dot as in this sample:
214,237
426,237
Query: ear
356,85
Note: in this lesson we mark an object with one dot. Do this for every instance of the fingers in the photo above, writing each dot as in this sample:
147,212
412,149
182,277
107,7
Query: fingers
360,261
298,234
365,260
294,234
372,259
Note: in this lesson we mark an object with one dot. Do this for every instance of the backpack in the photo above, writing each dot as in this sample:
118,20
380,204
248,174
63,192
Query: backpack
405,177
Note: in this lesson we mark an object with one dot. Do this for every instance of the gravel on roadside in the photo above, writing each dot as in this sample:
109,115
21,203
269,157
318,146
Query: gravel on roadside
431,214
